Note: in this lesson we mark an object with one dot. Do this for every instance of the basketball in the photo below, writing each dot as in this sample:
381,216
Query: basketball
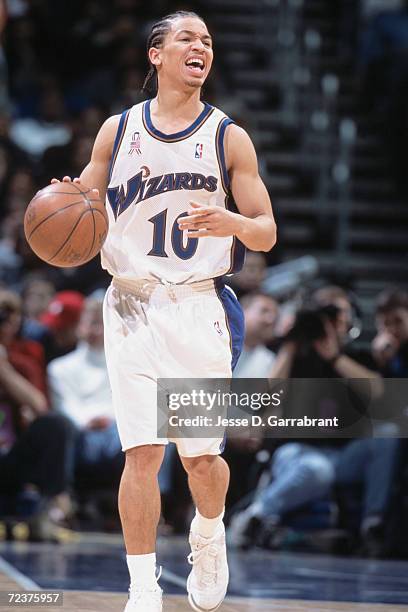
65,224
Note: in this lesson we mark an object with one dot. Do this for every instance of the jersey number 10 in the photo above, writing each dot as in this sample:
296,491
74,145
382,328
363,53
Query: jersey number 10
159,238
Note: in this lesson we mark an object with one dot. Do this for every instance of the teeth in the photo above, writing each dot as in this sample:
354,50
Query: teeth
195,61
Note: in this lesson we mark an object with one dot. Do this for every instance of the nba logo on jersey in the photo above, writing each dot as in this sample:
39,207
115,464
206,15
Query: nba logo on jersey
135,144
199,151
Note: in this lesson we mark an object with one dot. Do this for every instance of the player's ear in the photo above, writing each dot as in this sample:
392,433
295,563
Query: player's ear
154,56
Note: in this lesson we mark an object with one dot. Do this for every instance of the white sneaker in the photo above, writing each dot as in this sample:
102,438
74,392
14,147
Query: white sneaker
208,580
145,601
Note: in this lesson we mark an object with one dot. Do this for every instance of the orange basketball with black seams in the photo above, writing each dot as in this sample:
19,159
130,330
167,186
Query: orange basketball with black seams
65,224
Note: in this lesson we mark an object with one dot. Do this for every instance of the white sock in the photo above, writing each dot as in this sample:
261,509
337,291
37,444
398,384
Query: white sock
142,570
206,527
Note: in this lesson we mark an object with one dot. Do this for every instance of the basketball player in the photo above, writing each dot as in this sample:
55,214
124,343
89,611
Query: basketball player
169,168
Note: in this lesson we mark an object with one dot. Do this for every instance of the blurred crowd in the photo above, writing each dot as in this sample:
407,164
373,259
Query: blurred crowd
61,459
60,456
356,482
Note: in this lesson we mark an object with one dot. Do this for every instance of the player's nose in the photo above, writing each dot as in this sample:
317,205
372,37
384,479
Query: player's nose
198,45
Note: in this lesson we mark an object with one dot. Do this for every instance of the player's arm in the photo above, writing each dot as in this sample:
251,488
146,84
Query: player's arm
254,224
96,174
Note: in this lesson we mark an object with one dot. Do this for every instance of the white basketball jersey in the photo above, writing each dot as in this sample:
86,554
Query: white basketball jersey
153,177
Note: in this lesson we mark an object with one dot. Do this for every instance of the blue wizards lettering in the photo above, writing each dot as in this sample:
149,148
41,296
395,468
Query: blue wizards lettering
139,189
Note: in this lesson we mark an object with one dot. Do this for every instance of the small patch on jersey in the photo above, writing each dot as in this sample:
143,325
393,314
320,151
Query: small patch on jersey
199,150
217,328
135,144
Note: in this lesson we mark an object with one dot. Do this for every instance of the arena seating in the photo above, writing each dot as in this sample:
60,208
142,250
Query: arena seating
278,67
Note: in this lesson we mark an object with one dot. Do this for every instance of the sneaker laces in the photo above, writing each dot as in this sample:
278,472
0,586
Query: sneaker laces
154,594
205,555
137,595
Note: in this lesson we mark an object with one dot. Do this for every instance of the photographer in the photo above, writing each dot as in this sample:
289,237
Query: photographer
35,446
302,473
390,346
316,346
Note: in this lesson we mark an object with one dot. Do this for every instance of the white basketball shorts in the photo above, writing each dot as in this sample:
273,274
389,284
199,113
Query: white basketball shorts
155,330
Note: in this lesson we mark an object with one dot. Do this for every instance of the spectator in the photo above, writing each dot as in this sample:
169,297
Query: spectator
37,293
35,135
252,274
35,446
79,388
390,346
261,312
10,260
301,473
26,355
61,321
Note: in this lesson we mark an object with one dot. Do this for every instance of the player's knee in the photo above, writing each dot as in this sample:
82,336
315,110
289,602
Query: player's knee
199,467
145,459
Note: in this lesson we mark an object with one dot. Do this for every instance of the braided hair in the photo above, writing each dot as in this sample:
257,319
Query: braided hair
158,33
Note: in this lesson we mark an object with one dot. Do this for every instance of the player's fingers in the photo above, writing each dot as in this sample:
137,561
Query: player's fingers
67,179
201,212
199,234
76,180
198,217
192,223
186,220
96,192
194,218
54,180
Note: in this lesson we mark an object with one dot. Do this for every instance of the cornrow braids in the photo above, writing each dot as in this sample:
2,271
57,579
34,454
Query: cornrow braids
158,33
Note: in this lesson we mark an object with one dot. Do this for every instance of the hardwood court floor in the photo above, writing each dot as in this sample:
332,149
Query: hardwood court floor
91,571
77,601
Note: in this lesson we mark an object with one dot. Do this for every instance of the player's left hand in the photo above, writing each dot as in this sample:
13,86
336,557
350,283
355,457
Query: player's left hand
209,221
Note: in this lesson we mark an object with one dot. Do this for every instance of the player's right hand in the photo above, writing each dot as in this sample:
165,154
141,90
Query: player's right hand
67,179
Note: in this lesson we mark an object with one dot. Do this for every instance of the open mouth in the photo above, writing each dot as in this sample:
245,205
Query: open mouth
195,65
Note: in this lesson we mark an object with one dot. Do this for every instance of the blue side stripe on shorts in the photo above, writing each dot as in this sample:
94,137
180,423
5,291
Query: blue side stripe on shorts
236,325
235,319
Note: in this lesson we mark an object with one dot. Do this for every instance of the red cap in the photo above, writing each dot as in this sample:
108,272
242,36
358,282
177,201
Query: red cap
64,310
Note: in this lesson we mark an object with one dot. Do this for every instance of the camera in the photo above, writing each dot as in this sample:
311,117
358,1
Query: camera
309,324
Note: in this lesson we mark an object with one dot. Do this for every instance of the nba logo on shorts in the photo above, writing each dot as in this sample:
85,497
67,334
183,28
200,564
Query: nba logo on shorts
135,144
199,151
218,328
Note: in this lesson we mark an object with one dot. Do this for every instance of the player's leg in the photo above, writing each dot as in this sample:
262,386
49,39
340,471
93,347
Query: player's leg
131,367
208,473
139,508
208,477
216,319
139,498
